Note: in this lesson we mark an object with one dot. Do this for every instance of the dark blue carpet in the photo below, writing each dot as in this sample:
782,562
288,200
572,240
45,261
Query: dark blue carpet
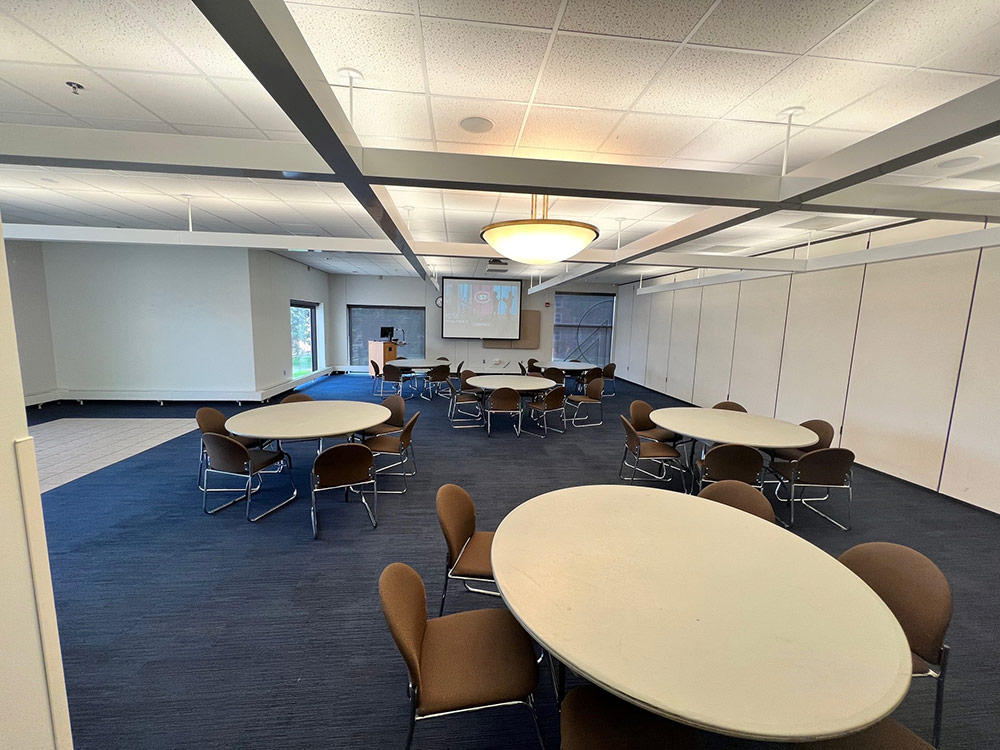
181,630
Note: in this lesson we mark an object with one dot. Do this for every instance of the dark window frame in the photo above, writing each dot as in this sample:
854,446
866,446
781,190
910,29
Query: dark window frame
312,307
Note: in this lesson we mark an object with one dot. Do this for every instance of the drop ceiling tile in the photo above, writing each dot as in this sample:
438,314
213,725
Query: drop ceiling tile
52,180
24,118
980,55
673,213
605,72
388,114
581,208
811,144
482,61
286,136
568,129
20,44
539,13
449,113
112,181
400,144
178,186
469,200
760,169
776,25
102,34
734,140
251,98
821,86
235,188
907,97
706,82
644,20
908,33
701,165
553,154
431,199
295,191
387,6
627,159
217,131
10,178
135,126
632,210
191,100
383,47
654,135
14,99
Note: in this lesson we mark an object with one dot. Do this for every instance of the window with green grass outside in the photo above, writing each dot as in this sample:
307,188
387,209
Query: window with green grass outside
303,338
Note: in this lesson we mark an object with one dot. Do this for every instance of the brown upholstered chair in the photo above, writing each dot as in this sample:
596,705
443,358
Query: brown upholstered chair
585,377
400,446
552,401
741,496
457,372
554,374
739,462
823,429
348,467
394,378
730,406
608,373
214,421
918,594
468,558
592,719
461,662
593,395
503,401
532,367
828,468
524,370
465,387
376,376
456,399
229,457
296,398
434,381
638,413
397,417
661,454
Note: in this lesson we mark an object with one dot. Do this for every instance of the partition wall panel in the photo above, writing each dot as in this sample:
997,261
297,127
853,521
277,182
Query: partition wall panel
973,451
623,328
911,331
715,343
639,335
683,343
819,340
661,309
760,329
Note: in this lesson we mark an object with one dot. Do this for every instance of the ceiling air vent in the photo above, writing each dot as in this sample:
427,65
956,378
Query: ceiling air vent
496,265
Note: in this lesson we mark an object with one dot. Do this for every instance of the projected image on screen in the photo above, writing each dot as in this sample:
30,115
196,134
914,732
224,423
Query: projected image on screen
481,309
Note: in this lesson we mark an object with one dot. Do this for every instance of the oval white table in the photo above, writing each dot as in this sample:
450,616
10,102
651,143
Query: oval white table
723,426
567,366
701,613
520,383
418,364
307,420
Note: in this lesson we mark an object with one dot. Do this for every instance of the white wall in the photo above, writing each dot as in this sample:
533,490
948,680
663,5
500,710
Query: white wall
26,268
889,354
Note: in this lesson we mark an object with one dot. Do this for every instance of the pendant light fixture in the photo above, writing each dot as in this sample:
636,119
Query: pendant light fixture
539,241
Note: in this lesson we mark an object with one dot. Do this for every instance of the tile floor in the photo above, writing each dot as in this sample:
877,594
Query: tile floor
68,449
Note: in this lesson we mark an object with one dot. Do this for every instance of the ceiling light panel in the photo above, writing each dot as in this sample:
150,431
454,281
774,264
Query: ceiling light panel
650,20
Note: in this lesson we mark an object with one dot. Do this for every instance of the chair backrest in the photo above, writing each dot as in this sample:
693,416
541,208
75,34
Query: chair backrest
574,360
554,373
464,377
593,372
632,440
532,360
821,428
441,359
226,453
375,368
524,370
404,604
740,462
533,368
504,399
912,586
555,397
407,434
595,388
457,516
392,374
343,464
295,398
826,466
730,406
741,496
638,414
439,374
608,373
397,409
460,366
211,420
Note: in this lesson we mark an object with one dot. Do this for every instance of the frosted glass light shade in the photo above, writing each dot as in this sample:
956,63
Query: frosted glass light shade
539,241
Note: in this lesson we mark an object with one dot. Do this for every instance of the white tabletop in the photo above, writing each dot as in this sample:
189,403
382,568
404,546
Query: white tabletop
517,382
307,419
700,612
724,426
418,364
567,366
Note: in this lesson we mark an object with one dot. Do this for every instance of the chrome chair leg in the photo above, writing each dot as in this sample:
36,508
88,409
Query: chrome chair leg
534,718
939,697
287,460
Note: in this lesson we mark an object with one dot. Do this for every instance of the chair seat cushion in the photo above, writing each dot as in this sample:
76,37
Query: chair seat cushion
650,449
473,659
659,434
789,454
785,469
474,561
260,459
592,719
383,443
382,429
583,400
466,398
888,734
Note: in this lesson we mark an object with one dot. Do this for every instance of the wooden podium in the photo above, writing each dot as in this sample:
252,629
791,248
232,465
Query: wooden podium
380,352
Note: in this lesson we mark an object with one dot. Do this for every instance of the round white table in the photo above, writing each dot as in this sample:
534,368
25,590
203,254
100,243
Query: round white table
306,420
520,383
723,426
418,364
701,613
568,366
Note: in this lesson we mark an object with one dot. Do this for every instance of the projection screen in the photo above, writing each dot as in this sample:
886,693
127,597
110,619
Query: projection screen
480,308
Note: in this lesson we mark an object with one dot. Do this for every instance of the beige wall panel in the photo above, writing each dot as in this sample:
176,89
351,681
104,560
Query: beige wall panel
715,343
683,343
623,329
760,326
910,333
819,339
636,368
658,344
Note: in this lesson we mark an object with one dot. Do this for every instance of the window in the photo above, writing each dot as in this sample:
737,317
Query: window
583,324
303,338
366,322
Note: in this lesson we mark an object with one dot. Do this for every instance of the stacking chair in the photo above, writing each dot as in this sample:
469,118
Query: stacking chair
394,378
457,373
729,461
524,370
347,467
661,454
608,373
827,468
555,374
397,414
467,419
595,390
638,412
214,421
227,456
296,398
465,387
468,558
553,400
434,381
532,367
823,429
918,594
400,446
730,406
376,377
741,496
586,376
461,662
504,401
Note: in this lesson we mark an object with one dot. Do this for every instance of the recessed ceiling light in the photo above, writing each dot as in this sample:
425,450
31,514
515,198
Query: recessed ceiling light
476,125
960,161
